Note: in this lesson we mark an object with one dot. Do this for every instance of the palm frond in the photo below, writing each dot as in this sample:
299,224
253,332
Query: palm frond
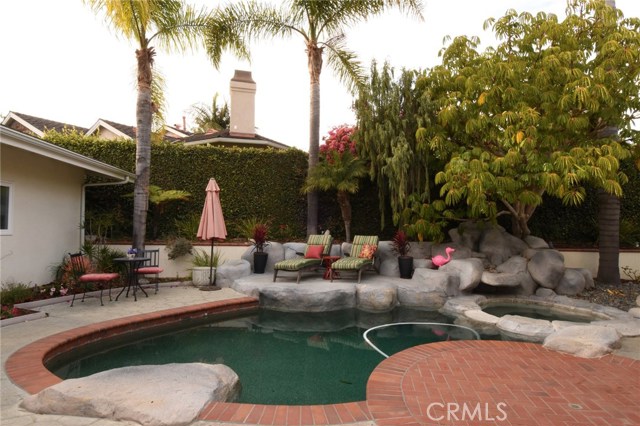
179,27
344,62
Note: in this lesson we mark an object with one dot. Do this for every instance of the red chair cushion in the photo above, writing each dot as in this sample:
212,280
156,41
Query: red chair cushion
149,270
314,252
99,277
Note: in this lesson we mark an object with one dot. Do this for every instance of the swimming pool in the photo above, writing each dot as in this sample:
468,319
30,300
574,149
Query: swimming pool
281,358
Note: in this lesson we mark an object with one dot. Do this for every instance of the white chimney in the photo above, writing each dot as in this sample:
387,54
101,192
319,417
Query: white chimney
243,104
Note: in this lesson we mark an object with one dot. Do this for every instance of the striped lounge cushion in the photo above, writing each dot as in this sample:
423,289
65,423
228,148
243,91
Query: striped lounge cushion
296,264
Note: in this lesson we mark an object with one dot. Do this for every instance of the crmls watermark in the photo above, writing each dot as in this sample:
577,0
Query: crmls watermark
477,412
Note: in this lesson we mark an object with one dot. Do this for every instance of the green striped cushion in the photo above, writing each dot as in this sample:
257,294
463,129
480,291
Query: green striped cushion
351,263
296,264
317,240
361,240
301,263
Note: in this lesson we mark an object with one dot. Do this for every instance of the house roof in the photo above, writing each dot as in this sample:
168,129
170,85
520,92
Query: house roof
121,130
36,125
17,139
226,137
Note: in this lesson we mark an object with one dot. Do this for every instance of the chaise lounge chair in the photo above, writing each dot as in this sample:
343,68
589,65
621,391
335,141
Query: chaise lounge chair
318,246
361,258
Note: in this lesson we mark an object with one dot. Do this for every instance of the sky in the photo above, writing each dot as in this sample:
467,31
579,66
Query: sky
62,62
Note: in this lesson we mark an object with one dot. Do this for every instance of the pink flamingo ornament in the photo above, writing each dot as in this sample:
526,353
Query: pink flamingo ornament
441,260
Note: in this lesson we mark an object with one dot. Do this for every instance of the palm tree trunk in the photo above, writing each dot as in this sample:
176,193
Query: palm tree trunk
314,59
608,238
143,147
608,225
345,209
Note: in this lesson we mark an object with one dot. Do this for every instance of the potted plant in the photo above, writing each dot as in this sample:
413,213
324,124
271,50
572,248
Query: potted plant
202,266
259,242
400,245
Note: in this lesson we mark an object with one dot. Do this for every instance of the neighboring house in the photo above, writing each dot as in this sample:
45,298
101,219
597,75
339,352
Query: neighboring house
42,204
35,125
105,129
242,131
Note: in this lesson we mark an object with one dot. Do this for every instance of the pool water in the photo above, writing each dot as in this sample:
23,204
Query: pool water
281,358
536,312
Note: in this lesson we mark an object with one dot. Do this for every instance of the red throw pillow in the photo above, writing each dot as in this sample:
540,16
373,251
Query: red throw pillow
368,250
314,252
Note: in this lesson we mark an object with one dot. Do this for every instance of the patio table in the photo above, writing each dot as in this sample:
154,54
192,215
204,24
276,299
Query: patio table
131,279
327,261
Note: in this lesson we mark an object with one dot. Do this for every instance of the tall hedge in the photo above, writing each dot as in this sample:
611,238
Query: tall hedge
266,183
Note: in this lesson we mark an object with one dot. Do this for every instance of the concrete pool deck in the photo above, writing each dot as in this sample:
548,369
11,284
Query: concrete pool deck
397,390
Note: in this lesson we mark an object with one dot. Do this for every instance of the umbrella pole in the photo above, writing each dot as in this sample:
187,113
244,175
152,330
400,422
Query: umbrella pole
211,264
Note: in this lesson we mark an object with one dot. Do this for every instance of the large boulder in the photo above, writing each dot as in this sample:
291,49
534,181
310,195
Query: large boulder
480,321
294,250
512,273
572,283
498,245
546,267
518,265
412,294
496,279
467,235
536,242
587,341
231,270
376,297
310,297
628,327
427,289
420,250
456,306
588,278
388,260
276,253
516,327
151,395
437,280
469,272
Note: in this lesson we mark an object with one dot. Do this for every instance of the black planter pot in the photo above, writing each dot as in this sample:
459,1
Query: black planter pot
259,262
405,263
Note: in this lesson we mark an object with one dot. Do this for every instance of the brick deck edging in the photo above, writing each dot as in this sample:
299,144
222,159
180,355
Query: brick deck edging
26,367
538,386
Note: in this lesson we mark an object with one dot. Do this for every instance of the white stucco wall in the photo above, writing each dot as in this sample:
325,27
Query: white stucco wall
46,215
181,267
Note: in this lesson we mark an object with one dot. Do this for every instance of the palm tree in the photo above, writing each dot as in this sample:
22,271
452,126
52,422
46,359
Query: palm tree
172,26
609,224
212,117
340,172
321,24
159,198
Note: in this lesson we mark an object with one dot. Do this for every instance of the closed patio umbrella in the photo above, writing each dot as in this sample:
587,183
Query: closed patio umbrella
212,225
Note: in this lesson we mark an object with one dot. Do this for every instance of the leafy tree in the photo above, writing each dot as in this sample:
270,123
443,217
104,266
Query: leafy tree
172,26
390,110
339,170
321,24
213,117
527,117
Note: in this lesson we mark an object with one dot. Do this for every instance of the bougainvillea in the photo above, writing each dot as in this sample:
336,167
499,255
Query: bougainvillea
338,140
